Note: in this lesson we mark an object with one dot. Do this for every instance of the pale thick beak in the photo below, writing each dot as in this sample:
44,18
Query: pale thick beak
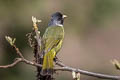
64,16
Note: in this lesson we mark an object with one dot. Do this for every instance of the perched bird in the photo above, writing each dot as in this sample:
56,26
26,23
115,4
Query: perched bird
53,40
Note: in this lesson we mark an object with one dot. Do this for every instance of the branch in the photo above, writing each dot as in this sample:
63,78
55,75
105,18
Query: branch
31,63
63,67
18,52
13,64
98,75
35,27
11,41
18,60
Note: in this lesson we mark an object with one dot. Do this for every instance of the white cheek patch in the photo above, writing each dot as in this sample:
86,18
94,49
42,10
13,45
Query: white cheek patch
58,24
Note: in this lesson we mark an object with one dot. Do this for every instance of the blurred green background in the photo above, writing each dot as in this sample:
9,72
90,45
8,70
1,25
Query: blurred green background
91,35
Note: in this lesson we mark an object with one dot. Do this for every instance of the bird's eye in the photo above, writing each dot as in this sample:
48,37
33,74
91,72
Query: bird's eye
59,19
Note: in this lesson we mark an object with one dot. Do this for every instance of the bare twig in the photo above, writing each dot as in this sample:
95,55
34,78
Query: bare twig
30,40
13,64
35,27
98,75
18,60
11,41
18,51
31,63
63,68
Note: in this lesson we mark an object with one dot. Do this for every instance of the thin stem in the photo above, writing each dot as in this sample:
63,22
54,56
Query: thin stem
13,64
63,67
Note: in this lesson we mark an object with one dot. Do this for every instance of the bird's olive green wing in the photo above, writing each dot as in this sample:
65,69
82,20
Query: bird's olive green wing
52,37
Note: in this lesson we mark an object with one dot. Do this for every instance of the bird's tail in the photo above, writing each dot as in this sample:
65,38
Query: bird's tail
47,68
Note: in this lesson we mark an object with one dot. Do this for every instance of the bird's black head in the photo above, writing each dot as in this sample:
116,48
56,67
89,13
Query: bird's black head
57,19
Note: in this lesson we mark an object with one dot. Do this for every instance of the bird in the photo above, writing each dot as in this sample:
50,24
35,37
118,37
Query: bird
52,40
